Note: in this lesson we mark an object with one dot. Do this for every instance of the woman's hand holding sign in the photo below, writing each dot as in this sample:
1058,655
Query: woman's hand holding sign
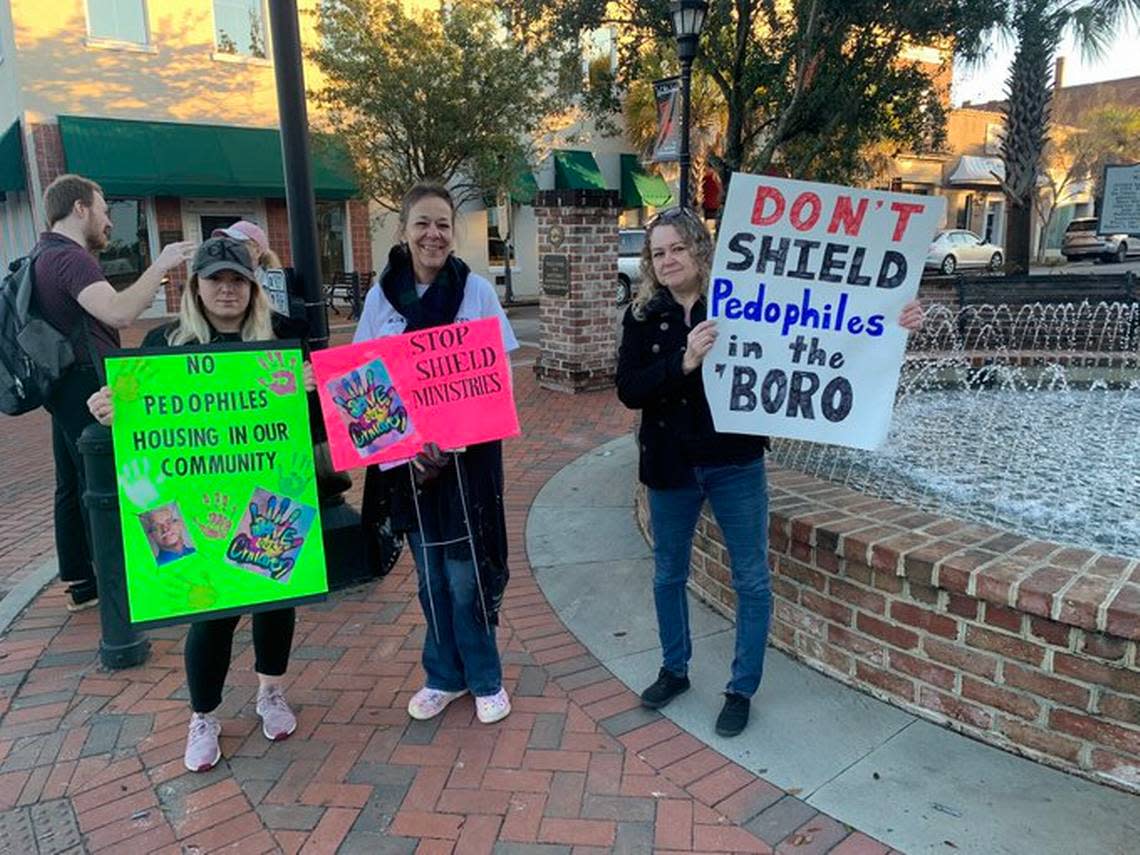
912,316
701,339
102,407
429,463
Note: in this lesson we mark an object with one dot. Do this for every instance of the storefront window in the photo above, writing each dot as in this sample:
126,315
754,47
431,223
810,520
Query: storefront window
330,235
128,253
240,27
496,246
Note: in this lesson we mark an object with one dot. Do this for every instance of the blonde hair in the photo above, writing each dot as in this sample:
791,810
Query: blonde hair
193,328
269,260
698,241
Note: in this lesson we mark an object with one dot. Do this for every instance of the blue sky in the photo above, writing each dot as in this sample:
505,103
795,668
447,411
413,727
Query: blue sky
987,82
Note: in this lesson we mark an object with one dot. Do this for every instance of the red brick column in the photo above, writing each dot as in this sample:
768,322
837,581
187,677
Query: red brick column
50,161
168,213
278,229
578,250
360,236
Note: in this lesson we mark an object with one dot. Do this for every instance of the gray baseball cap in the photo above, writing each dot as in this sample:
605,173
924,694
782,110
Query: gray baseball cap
223,253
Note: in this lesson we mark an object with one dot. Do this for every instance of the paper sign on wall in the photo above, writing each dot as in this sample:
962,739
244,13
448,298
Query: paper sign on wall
217,490
807,286
383,400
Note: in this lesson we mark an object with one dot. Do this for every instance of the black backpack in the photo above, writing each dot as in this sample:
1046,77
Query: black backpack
33,353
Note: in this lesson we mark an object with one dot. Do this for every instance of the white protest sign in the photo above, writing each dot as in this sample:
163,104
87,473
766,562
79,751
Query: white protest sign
807,286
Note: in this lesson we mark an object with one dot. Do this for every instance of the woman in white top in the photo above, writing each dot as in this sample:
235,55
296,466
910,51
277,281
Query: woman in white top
450,506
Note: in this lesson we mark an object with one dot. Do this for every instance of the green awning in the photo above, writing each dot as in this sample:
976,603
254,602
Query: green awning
525,189
639,188
130,158
12,176
576,170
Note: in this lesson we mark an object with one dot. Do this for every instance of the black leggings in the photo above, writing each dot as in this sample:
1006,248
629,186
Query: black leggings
210,643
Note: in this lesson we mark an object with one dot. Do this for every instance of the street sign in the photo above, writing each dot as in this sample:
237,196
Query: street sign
276,288
555,275
1120,210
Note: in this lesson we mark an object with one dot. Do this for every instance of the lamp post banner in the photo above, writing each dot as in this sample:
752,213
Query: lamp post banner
807,285
383,400
667,146
217,487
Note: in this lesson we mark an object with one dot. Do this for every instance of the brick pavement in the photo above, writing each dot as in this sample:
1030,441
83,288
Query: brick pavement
27,486
578,767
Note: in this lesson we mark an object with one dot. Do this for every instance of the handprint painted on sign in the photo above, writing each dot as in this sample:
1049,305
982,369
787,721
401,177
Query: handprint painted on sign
370,407
270,535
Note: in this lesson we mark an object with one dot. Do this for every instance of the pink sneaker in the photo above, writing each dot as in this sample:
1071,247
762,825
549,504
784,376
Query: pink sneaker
277,720
202,749
493,708
428,703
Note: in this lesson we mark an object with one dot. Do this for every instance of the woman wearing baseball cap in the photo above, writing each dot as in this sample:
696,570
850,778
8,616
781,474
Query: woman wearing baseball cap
253,236
223,302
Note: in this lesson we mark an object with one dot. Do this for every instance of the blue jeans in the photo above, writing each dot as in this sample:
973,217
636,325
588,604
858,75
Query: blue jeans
739,498
464,655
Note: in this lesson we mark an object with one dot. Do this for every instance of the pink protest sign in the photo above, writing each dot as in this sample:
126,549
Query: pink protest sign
383,400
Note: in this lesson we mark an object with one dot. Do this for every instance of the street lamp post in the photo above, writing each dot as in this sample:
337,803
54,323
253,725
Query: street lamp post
341,528
299,199
688,19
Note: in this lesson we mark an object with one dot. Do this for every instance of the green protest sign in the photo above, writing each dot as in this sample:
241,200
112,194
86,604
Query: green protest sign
217,491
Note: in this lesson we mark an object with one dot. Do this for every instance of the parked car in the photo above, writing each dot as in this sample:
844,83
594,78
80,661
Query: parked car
630,242
1082,241
952,249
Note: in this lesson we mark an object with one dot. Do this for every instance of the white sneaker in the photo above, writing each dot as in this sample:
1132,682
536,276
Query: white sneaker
202,749
428,703
493,708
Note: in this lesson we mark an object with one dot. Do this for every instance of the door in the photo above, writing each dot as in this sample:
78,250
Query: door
995,222
209,222
201,216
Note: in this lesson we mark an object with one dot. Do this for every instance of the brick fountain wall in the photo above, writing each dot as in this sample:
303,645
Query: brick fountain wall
1024,644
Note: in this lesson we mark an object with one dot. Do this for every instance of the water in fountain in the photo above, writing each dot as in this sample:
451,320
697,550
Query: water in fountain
1027,418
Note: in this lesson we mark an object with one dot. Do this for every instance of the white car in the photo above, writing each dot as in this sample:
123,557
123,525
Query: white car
630,242
1082,241
952,249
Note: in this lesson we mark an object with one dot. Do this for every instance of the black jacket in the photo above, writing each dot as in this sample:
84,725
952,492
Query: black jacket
676,431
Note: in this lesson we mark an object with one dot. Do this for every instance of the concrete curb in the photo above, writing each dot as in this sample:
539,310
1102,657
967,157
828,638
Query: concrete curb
21,596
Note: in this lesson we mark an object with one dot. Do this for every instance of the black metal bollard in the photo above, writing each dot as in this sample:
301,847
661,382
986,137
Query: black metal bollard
122,646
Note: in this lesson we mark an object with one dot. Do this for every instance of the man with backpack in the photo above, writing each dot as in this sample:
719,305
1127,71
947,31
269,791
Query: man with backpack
72,294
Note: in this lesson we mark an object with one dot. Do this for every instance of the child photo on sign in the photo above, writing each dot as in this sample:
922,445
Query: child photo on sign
370,408
270,534
167,534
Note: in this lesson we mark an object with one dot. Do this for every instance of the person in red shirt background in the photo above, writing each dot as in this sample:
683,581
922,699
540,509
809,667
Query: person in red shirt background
74,296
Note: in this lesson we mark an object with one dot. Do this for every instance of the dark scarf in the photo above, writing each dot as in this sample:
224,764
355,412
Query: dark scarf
439,303
480,466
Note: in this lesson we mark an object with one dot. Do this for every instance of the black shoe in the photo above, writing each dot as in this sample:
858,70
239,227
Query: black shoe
734,715
667,687
82,596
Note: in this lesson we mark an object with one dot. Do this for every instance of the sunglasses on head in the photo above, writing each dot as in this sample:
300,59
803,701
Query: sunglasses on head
675,213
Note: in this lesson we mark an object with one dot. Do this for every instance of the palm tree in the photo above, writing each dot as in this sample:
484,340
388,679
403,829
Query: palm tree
1037,27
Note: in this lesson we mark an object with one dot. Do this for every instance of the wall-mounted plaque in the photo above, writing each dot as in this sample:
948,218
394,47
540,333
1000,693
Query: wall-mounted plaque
555,274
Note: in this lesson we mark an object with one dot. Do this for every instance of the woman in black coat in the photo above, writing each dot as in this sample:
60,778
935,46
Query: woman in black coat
683,460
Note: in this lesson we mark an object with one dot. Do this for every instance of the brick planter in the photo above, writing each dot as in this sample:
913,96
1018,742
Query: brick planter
1027,645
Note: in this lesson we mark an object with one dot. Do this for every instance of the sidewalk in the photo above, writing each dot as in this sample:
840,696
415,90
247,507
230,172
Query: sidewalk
916,785
91,761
